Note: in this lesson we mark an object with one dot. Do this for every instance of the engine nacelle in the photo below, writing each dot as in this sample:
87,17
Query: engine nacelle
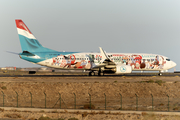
123,69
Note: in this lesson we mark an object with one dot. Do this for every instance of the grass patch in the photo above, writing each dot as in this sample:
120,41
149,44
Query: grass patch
149,116
176,108
88,106
161,104
150,81
84,114
72,119
159,82
144,113
54,111
96,82
13,115
44,118
65,111
101,112
15,110
115,81
3,87
1,109
42,111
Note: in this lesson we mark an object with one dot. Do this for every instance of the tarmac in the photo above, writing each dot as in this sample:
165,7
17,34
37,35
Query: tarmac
85,75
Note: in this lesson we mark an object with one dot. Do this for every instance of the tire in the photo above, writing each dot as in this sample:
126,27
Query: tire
160,74
92,73
100,73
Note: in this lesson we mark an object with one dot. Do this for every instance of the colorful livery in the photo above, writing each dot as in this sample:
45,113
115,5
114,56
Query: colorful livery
119,63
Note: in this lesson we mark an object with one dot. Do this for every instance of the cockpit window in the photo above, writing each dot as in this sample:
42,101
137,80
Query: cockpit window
168,59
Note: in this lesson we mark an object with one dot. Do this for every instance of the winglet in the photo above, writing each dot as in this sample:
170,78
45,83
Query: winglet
104,56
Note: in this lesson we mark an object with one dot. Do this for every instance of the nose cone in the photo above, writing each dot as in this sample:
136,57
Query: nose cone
173,64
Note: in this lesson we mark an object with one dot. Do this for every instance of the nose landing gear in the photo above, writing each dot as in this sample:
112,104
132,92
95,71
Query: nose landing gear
100,73
160,74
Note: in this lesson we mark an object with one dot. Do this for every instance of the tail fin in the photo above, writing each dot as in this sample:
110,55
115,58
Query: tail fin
27,39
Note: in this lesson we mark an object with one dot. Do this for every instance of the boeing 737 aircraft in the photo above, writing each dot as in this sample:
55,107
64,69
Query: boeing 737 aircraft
118,63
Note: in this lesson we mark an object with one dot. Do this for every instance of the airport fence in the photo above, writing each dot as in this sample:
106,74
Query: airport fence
44,100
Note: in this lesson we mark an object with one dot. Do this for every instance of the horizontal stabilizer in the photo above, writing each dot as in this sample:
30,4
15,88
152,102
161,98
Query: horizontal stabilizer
12,52
27,53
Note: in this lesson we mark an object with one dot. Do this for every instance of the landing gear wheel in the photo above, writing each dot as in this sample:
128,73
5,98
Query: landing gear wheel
100,73
92,73
160,74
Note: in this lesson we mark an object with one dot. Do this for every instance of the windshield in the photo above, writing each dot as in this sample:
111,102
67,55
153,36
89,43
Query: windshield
168,59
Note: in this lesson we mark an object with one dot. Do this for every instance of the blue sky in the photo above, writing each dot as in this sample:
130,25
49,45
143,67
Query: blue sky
124,26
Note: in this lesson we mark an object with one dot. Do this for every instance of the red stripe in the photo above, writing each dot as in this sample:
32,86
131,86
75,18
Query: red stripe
20,24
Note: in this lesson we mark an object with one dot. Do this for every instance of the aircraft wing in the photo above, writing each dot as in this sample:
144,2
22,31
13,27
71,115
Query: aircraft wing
107,63
104,56
105,59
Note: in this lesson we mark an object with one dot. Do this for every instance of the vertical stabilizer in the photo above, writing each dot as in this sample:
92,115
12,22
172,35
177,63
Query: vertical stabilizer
27,39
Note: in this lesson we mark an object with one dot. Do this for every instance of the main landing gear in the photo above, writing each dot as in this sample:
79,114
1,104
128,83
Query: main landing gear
91,73
100,73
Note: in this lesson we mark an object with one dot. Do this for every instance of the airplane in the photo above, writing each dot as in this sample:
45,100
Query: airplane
103,63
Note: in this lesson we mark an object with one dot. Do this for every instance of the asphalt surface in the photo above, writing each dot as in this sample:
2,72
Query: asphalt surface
85,75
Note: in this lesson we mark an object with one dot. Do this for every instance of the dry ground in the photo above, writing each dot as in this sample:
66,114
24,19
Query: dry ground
84,87
65,115
89,79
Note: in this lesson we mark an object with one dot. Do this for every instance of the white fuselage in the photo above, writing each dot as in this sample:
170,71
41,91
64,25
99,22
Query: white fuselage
151,62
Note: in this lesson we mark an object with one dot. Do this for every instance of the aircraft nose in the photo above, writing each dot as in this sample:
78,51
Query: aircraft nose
173,64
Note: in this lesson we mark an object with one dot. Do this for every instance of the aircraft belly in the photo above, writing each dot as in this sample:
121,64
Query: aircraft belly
147,69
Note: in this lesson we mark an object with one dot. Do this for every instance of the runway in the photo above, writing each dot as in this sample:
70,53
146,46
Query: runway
85,75
82,78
